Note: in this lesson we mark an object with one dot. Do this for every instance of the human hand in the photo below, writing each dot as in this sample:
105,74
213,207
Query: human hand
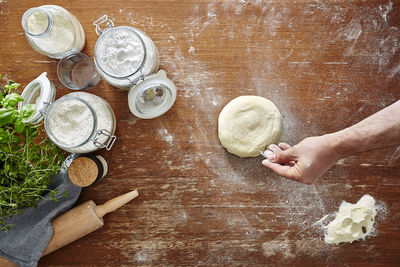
304,162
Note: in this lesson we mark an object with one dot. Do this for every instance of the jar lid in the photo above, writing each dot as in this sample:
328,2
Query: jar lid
40,92
153,96
84,171
120,52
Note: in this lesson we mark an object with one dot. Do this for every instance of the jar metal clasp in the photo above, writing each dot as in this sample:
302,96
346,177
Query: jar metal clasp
135,81
110,142
102,20
45,109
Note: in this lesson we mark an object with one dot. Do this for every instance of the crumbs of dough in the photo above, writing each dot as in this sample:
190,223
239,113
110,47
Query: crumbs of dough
352,222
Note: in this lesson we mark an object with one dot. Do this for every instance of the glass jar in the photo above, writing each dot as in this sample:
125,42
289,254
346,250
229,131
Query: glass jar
76,71
78,122
123,54
53,31
81,123
93,161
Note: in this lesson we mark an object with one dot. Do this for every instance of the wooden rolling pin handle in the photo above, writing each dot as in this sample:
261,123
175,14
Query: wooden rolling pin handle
115,203
82,220
78,222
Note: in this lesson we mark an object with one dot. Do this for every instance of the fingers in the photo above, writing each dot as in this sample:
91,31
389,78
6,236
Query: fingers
274,148
267,153
282,170
281,156
288,162
284,146
279,147
291,172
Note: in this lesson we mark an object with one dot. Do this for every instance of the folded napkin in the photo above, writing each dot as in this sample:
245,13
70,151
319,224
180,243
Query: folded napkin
26,241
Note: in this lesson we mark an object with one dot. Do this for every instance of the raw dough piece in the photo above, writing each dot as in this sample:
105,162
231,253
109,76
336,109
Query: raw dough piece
247,124
352,222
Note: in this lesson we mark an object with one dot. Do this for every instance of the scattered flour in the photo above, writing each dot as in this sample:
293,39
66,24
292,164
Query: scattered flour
142,257
132,120
280,244
211,13
280,35
353,30
385,9
166,136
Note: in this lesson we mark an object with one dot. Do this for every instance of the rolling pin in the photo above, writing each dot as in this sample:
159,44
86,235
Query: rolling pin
78,222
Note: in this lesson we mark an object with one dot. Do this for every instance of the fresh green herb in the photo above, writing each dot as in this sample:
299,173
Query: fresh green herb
27,158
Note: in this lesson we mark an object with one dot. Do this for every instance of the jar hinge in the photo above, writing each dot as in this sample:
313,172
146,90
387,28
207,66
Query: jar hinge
103,19
137,80
46,105
110,141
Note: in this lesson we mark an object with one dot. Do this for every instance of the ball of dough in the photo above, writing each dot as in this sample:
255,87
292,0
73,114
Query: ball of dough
247,124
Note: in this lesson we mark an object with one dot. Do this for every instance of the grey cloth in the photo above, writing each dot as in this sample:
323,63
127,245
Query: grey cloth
26,241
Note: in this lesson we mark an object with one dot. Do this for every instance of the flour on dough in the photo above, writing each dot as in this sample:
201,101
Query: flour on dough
247,124
352,222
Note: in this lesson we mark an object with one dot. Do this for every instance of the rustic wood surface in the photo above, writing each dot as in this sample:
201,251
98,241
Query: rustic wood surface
325,64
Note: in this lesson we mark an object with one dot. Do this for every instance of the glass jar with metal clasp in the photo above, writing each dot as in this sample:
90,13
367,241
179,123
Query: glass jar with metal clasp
127,58
78,122
122,54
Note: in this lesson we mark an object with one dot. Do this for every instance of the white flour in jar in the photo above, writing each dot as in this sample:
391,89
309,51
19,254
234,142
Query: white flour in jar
56,31
73,126
37,23
120,53
71,122
59,39
105,120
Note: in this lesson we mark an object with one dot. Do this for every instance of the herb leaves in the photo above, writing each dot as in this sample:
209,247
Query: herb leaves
27,158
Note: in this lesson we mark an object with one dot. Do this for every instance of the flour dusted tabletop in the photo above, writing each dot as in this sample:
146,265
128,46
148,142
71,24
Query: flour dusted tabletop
325,64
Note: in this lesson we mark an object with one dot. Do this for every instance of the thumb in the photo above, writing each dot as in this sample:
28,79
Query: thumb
283,156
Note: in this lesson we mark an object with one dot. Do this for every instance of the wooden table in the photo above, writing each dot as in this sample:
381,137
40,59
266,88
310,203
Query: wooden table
325,64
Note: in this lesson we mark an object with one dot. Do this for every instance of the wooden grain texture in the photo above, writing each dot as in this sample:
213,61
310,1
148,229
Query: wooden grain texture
325,64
